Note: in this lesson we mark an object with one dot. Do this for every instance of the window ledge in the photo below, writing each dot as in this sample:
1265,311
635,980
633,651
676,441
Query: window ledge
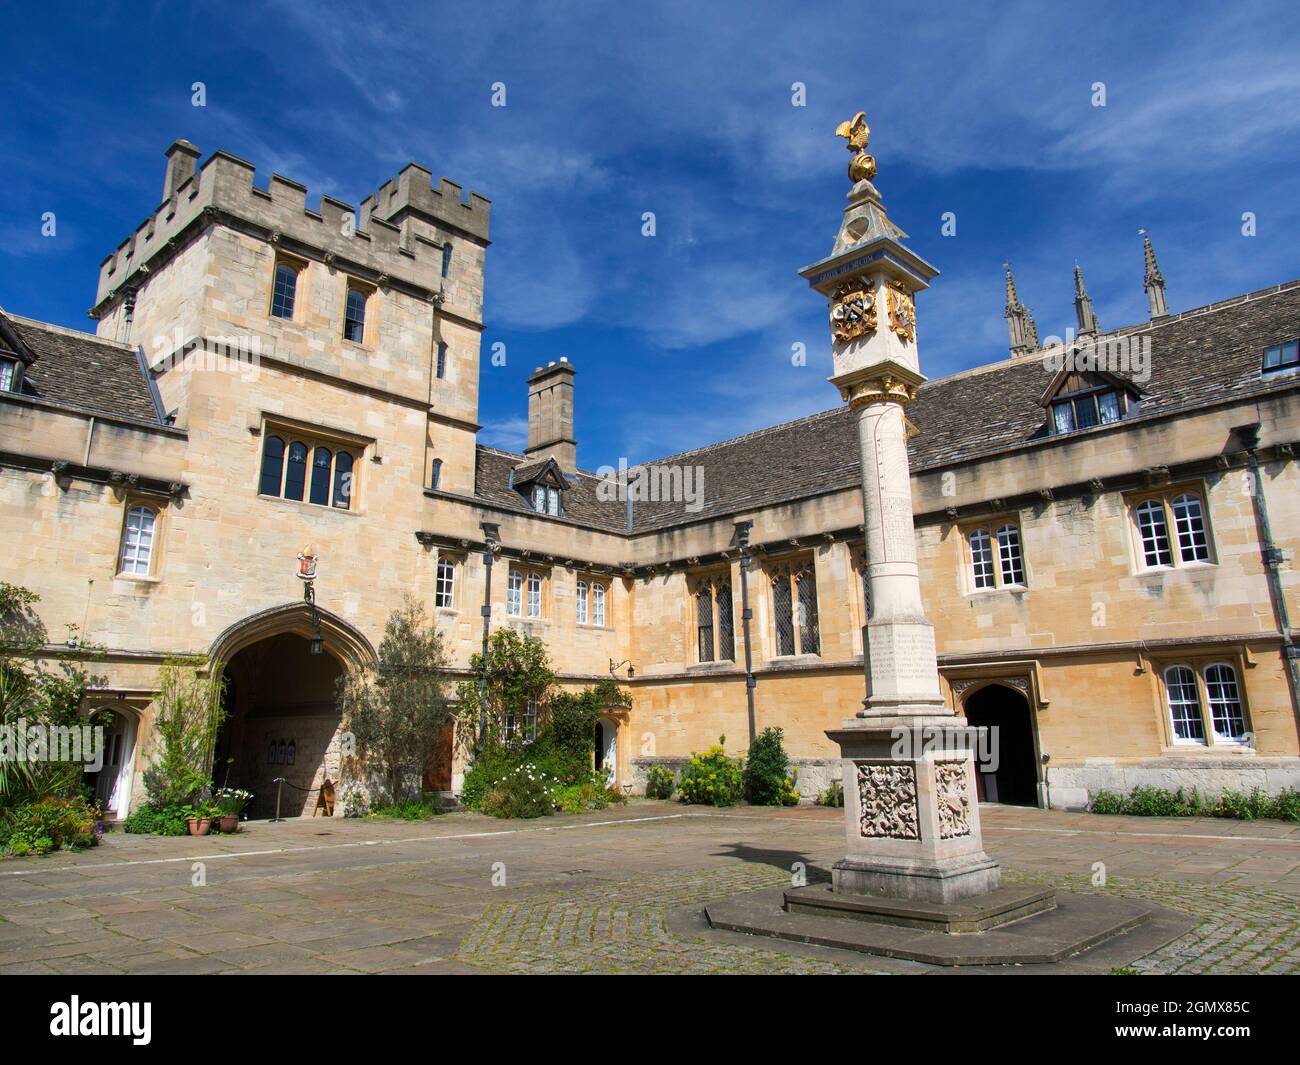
1224,748
1005,589
137,578
793,660
315,508
1180,567
724,666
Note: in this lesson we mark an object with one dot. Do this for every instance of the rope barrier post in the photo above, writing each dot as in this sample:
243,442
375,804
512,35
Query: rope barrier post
279,789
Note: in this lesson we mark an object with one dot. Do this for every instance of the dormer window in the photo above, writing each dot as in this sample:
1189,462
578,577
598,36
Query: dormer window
1079,400
1083,410
542,485
8,375
546,500
1281,357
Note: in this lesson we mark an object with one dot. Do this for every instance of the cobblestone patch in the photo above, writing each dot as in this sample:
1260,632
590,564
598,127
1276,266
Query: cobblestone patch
1242,930
619,927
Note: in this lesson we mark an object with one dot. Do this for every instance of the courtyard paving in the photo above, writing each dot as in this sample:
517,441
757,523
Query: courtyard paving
611,892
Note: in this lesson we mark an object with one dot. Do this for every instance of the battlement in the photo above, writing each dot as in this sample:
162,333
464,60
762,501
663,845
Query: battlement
375,236
412,192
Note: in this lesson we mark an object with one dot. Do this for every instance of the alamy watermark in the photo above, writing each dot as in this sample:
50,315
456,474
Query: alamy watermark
39,742
654,483
1128,355
239,354
911,744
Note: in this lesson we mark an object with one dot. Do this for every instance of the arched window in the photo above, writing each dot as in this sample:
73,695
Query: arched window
343,480
1189,523
286,289
137,541
981,558
1184,705
580,598
514,593
435,473
597,604
1224,697
1154,531
272,466
320,476
1013,563
295,474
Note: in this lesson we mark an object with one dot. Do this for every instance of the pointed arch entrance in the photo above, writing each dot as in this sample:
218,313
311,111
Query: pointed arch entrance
1006,765
282,716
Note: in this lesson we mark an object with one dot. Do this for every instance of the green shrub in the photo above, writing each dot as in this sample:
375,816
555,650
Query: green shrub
768,780
157,821
429,804
50,824
489,767
1145,801
1288,804
523,792
590,794
660,783
833,795
713,779
1108,802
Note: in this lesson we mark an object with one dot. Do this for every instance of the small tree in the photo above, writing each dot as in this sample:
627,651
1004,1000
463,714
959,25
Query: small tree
517,673
398,710
187,716
34,694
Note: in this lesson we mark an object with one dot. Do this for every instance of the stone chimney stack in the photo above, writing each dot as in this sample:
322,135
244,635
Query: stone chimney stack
550,414
1083,311
1022,331
1154,281
182,158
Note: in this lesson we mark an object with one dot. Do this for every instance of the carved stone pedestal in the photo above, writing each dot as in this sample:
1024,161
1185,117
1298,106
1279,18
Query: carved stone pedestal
911,813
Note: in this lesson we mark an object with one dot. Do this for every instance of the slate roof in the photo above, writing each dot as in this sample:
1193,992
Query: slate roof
1198,357
80,370
581,504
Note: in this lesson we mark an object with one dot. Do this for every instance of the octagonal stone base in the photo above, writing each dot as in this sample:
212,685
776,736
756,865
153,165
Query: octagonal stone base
946,880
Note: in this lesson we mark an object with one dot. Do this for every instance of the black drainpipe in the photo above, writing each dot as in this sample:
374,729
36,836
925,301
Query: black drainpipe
489,544
742,538
1272,555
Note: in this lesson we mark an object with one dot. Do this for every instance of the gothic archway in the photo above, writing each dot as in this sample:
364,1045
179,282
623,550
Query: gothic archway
1006,765
282,716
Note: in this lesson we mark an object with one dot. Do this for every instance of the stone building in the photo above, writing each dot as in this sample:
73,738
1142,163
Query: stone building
1105,526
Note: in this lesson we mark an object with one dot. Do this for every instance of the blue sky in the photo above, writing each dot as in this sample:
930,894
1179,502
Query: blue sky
685,110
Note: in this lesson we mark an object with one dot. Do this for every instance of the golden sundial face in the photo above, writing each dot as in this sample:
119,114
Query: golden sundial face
902,312
853,312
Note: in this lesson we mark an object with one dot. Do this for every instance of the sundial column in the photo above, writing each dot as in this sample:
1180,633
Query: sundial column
910,806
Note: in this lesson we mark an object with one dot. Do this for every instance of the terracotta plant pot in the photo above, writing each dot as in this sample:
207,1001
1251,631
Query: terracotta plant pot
200,826
230,822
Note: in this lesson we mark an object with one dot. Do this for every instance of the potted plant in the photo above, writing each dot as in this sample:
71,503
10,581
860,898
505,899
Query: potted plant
231,802
200,818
